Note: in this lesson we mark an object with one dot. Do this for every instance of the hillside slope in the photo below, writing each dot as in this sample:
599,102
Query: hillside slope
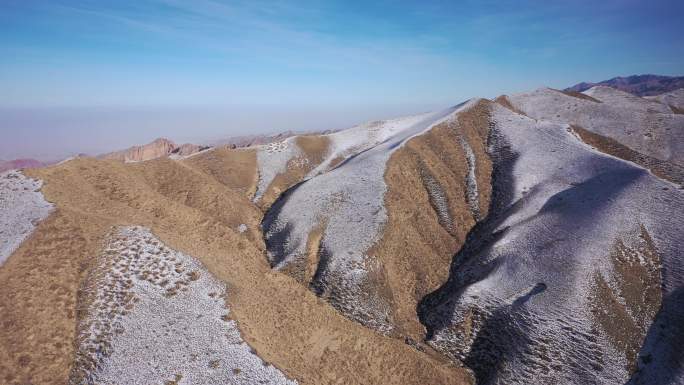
532,239
44,292
645,126
562,281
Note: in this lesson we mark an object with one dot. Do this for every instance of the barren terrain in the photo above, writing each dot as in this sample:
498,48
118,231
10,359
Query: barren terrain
535,238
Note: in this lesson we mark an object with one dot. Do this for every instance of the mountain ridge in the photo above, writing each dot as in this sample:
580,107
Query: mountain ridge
533,238
640,85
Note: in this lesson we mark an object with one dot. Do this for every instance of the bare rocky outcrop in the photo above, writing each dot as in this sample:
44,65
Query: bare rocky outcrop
156,149
188,149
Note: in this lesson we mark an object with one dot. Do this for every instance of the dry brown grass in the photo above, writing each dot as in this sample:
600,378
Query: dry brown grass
234,168
416,249
677,110
314,149
659,168
190,210
304,268
504,101
39,299
580,95
637,285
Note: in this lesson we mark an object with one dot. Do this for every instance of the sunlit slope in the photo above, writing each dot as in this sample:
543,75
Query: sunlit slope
646,126
192,207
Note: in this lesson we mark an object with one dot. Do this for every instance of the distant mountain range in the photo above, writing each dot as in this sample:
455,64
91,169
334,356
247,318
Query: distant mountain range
20,163
640,85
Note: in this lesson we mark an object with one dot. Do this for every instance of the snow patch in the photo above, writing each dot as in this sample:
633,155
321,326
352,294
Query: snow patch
22,207
273,159
439,201
158,315
472,193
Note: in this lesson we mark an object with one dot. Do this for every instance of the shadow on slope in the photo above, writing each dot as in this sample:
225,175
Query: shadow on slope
504,331
481,237
661,361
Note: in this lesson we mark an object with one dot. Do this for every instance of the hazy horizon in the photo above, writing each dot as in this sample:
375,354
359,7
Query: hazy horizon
118,127
81,76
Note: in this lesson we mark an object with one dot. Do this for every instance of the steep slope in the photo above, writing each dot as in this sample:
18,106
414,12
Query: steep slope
641,85
562,280
155,149
346,205
438,186
191,208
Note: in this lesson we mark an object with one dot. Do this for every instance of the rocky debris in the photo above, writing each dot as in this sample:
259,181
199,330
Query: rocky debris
155,315
22,207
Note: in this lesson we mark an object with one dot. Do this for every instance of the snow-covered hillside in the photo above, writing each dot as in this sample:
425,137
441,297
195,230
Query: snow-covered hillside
674,99
347,203
643,125
22,206
561,282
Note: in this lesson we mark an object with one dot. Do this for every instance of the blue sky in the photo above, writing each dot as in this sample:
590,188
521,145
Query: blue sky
88,76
